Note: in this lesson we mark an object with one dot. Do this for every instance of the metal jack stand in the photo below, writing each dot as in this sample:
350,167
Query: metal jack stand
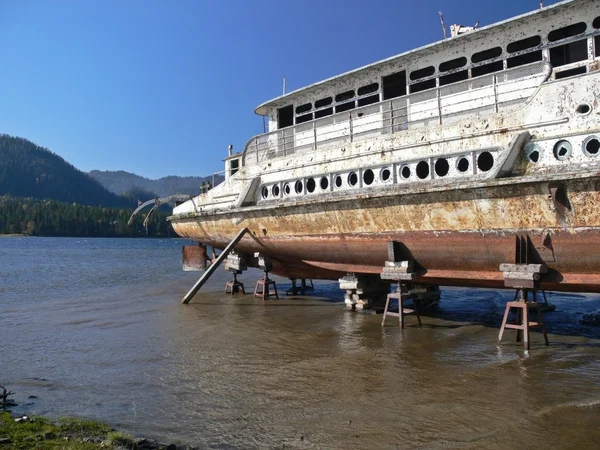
234,286
523,323
263,287
402,311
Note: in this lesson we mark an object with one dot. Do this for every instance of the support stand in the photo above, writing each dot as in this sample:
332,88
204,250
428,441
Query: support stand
262,289
402,311
523,323
234,286
294,290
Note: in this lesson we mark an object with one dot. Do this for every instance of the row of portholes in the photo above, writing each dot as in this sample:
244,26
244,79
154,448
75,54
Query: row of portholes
441,167
563,149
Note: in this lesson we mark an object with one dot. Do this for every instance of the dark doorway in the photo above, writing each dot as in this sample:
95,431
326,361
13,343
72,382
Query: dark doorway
285,117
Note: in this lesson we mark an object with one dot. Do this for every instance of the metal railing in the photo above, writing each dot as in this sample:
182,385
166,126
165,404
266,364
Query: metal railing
441,105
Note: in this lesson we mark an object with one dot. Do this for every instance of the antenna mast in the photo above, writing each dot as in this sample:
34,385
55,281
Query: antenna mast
283,86
444,26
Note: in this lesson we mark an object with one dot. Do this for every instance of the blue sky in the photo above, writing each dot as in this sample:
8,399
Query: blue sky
163,87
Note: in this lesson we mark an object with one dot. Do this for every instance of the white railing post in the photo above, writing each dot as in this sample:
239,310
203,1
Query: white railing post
315,135
495,82
350,125
439,102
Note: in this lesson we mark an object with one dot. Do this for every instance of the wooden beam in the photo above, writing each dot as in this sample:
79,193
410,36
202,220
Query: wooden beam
207,274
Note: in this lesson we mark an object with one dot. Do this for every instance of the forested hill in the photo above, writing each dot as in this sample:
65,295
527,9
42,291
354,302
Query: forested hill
120,181
28,170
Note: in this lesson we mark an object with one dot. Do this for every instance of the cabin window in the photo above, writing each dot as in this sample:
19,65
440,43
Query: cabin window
486,69
285,117
486,54
453,64
422,73
368,89
323,102
304,118
597,45
524,44
234,166
345,107
323,113
422,86
303,108
368,100
344,96
521,60
394,85
570,72
596,23
568,31
569,53
454,77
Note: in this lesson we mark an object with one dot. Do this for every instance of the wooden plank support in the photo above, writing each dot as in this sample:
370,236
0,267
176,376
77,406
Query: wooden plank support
206,275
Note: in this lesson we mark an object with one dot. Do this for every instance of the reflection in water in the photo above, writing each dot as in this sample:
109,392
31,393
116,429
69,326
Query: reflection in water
102,334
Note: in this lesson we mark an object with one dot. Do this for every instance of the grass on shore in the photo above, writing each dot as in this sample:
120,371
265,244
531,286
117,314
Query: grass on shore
67,433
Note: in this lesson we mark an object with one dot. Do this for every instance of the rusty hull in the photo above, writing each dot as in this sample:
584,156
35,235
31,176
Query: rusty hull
459,235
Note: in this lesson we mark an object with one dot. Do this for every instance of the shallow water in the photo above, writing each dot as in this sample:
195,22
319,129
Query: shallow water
95,328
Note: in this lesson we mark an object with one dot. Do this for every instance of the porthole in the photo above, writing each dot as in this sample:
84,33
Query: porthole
385,174
352,179
591,146
286,189
441,167
324,183
423,170
338,181
462,165
368,177
405,172
533,152
485,161
265,192
298,187
563,150
583,109
275,191
310,185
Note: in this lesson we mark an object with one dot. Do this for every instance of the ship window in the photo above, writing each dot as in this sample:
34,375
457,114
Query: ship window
422,86
344,96
394,85
453,64
570,72
345,107
285,117
596,23
487,69
486,54
324,183
323,113
368,100
524,44
454,77
298,187
303,108
368,89
323,102
597,45
527,58
310,185
234,165
569,53
568,31
422,73
305,118
423,169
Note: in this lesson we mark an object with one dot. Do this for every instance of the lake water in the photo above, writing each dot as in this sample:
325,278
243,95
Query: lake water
94,328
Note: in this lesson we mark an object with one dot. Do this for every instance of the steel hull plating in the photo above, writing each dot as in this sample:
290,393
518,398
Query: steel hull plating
458,235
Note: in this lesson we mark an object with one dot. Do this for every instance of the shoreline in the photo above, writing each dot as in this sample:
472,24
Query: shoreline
43,433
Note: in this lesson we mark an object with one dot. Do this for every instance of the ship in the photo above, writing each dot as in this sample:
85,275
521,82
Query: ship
467,155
